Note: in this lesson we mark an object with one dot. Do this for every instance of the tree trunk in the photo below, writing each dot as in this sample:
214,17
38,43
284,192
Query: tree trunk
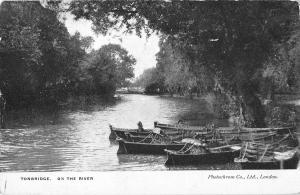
252,110
252,113
191,94
270,90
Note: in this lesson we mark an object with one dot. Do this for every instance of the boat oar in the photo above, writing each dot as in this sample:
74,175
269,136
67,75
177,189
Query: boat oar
226,146
265,151
245,150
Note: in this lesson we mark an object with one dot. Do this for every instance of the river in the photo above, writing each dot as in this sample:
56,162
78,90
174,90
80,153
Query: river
77,139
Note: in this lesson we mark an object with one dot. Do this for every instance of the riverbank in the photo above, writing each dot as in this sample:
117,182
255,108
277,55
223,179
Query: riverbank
279,112
193,96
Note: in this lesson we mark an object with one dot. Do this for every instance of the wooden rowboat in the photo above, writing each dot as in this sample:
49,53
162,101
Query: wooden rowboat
177,132
129,147
196,153
126,135
179,127
283,160
226,130
279,154
171,133
244,133
120,132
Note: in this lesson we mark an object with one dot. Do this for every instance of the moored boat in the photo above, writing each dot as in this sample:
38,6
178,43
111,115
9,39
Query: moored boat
196,153
121,132
232,129
171,133
244,133
179,132
281,154
152,144
279,160
126,147
179,127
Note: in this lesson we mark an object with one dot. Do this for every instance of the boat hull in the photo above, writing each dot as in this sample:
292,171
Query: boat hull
179,132
172,134
291,163
145,148
130,135
121,133
226,130
198,159
244,133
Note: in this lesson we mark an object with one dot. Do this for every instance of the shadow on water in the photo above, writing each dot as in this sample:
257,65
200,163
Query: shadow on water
45,139
194,112
52,115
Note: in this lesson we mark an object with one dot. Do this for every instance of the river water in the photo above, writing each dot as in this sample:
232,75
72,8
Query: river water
77,139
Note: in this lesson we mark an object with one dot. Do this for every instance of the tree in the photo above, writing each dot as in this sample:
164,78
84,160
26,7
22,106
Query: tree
175,68
293,55
109,67
19,49
231,39
152,80
75,74
39,60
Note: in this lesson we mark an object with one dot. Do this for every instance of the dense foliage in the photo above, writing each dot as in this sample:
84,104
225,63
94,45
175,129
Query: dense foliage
173,72
106,69
152,81
41,63
238,45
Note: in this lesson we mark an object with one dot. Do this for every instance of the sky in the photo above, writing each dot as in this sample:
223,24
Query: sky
143,49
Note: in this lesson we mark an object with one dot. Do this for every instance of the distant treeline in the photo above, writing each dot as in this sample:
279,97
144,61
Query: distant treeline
41,63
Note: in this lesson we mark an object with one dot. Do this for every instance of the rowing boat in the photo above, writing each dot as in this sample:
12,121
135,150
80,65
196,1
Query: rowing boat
171,133
121,132
152,144
126,147
279,154
196,152
178,132
233,129
244,133
179,127
277,160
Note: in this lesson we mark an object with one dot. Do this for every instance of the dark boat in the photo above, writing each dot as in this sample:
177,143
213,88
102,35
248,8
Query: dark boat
244,133
226,130
179,132
131,137
196,153
121,132
148,145
132,134
171,133
279,154
284,160
179,127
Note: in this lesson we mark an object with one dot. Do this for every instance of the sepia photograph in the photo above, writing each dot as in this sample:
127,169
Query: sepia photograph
159,86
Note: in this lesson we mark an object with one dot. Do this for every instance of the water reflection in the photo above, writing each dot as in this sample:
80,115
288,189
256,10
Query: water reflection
77,139
140,158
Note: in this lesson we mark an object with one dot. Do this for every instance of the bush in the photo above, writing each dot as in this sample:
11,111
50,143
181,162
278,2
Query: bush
280,115
219,105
